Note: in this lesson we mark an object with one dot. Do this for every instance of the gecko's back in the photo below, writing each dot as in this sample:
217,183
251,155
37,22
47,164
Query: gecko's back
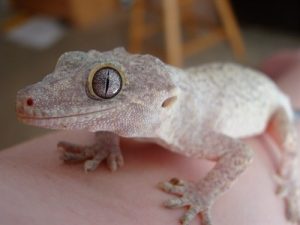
243,99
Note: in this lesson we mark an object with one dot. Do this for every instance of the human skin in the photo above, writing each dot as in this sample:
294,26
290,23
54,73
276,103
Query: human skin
37,188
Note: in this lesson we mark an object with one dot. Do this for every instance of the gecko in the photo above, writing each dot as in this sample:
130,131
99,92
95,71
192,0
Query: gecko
202,112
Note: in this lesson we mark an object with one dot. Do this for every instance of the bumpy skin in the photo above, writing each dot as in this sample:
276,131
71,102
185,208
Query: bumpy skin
199,112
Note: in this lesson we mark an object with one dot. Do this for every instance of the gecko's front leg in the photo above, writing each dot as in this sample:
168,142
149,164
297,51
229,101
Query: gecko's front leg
106,147
232,158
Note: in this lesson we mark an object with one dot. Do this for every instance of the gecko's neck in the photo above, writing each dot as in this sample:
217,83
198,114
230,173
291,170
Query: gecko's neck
177,74
168,127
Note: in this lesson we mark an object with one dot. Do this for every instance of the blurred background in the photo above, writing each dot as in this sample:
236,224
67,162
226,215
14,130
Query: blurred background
34,33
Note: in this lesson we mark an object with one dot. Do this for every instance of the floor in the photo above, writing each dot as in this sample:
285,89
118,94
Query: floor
21,66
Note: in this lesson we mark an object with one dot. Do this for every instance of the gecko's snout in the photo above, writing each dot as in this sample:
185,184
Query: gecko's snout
24,105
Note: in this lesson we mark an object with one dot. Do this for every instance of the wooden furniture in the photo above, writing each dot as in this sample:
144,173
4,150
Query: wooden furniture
79,13
176,49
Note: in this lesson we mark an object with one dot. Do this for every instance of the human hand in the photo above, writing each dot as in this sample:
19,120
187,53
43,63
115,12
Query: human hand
37,188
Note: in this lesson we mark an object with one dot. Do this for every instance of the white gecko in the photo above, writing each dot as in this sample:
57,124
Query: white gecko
198,112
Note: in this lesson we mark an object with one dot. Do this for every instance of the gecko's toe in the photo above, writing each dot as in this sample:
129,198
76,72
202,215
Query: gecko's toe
69,147
92,155
176,202
174,186
70,152
115,160
289,189
71,157
91,165
189,215
293,208
191,195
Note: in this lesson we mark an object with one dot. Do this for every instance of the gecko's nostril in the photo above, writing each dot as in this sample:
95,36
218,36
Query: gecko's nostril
29,102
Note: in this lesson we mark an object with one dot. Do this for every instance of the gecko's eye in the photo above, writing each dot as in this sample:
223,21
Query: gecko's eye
104,82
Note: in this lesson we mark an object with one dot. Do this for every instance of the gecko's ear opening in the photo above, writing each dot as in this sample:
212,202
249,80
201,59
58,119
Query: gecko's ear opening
167,103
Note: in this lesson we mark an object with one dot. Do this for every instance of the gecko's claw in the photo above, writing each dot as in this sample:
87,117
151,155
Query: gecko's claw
190,195
92,155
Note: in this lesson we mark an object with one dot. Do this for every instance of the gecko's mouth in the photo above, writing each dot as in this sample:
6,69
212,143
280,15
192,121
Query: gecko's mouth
71,121
28,117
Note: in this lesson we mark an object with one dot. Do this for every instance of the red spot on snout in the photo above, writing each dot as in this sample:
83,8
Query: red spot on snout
29,102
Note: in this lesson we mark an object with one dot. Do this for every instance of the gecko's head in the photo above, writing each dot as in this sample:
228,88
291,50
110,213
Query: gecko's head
111,91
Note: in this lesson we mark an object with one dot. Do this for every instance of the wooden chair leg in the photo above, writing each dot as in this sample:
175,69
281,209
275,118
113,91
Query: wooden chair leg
137,27
231,27
172,30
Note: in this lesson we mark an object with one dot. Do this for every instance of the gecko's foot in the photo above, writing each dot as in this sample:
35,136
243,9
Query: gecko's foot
190,195
290,192
92,155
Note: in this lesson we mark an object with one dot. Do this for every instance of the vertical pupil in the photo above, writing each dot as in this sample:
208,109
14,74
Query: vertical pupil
107,82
